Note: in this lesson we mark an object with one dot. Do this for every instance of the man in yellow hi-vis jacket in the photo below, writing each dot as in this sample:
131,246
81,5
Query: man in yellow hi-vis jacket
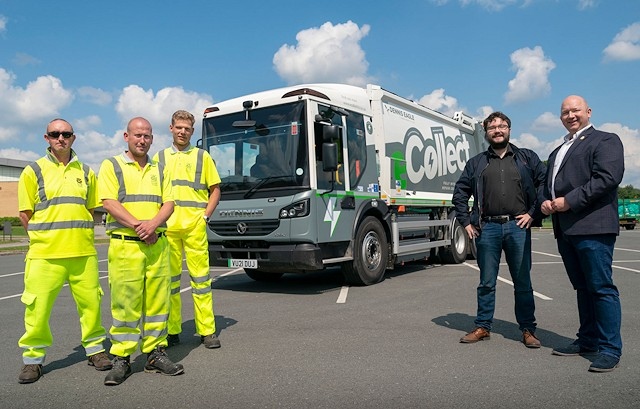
195,183
136,193
56,198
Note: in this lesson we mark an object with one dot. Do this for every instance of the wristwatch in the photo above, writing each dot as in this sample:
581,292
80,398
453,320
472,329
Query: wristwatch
206,218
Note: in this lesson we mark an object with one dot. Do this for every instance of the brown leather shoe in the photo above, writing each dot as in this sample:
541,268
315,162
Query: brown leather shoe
100,361
30,373
476,335
530,340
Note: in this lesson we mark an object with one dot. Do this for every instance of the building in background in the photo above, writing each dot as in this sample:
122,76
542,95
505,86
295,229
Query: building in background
10,170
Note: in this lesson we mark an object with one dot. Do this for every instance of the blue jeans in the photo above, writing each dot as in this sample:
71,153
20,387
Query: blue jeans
588,260
516,244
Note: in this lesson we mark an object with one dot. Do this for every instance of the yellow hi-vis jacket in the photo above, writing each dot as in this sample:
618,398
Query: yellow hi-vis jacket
120,177
192,173
60,198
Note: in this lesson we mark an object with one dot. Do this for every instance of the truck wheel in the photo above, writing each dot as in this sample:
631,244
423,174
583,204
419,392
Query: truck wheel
260,275
456,253
629,226
370,253
473,250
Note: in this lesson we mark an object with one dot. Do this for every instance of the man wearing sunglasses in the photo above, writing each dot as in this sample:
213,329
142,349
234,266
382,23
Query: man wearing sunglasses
56,197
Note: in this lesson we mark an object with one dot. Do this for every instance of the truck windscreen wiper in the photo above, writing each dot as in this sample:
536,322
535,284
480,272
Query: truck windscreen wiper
262,182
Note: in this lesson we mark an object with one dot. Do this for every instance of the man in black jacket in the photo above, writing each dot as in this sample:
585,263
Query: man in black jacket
506,183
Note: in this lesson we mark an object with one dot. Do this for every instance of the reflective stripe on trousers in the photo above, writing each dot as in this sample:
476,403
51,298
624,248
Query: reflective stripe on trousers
43,280
139,280
195,246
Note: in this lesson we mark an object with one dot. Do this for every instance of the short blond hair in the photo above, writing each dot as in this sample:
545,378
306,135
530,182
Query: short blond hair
182,115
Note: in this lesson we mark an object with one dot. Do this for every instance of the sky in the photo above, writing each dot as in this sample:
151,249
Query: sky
99,64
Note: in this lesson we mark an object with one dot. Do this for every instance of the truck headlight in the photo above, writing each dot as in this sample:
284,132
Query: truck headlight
298,209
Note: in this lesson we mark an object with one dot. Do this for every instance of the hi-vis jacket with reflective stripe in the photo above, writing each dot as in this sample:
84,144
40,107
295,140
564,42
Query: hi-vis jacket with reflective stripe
141,191
192,172
60,198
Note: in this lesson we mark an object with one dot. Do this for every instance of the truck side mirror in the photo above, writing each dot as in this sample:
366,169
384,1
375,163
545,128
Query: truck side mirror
329,157
330,133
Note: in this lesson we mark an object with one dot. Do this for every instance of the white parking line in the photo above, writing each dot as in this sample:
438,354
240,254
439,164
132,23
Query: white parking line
504,280
621,249
342,297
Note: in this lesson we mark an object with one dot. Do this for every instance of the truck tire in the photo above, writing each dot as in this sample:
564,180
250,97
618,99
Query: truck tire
370,254
259,275
629,227
456,253
473,250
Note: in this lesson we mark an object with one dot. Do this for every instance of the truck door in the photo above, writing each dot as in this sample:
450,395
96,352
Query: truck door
333,224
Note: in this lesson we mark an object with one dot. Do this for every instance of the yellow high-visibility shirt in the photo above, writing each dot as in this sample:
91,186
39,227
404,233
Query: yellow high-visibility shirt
60,198
141,191
192,173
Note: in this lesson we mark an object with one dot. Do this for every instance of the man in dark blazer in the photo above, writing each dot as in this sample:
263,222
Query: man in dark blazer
581,194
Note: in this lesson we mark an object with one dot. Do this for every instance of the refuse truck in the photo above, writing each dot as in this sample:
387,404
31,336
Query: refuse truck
628,213
321,176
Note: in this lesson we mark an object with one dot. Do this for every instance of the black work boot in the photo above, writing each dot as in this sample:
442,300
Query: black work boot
158,361
119,372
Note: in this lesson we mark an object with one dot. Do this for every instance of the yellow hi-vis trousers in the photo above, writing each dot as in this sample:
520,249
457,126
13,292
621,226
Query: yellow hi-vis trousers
43,280
195,246
139,280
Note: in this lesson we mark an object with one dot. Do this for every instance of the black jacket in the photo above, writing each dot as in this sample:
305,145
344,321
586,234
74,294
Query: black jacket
532,177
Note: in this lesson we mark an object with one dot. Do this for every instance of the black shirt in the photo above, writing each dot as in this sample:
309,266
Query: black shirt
502,188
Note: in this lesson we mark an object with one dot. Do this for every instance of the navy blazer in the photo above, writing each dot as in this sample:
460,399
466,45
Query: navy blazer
588,179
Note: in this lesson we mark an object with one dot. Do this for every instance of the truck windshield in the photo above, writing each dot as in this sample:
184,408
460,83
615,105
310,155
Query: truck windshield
267,158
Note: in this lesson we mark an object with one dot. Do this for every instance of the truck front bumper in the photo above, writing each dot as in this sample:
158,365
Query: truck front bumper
278,258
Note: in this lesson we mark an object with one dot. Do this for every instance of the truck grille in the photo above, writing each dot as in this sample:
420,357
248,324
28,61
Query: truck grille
254,227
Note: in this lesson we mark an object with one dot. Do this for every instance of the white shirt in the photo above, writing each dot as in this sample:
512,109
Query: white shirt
568,141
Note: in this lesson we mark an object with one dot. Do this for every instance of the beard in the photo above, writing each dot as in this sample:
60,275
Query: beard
499,145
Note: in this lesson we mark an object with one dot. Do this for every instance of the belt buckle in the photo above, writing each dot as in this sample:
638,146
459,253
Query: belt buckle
503,219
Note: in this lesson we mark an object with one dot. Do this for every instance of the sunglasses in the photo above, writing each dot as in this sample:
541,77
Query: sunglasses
56,134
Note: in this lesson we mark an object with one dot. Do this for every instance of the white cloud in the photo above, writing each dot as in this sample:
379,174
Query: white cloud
19,154
325,54
95,95
440,102
542,148
625,45
532,75
493,5
586,4
498,5
87,123
40,99
135,101
547,122
23,59
483,112
9,133
631,140
3,23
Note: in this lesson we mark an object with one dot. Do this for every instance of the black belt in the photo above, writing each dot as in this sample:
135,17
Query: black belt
131,238
498,219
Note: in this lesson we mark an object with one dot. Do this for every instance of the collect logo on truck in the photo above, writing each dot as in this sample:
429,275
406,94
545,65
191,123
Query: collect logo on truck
424,159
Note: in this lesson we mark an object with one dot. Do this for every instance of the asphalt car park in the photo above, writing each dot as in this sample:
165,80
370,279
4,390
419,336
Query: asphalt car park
309,340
